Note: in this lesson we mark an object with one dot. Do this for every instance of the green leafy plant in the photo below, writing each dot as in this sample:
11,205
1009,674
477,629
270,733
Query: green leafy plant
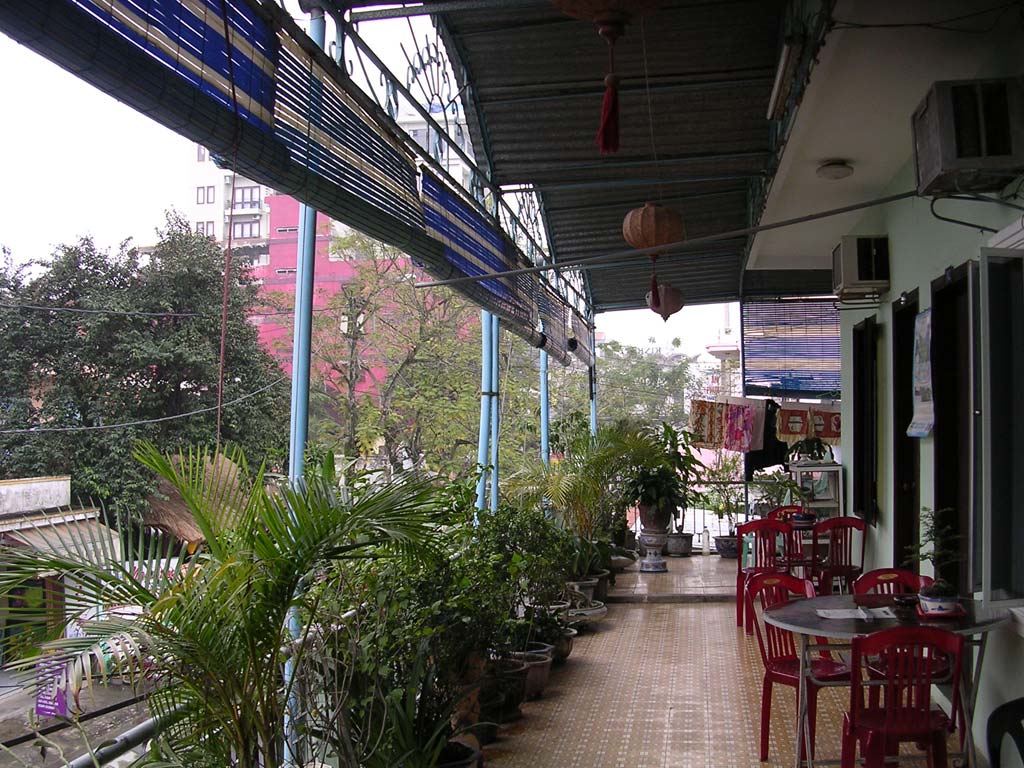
777,488
725,492
810,448
938,544
664,471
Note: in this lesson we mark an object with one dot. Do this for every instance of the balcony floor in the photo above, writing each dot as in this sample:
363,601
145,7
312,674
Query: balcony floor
663,685
689,580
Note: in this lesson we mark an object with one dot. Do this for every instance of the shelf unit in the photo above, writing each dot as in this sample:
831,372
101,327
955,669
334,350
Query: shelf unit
825,480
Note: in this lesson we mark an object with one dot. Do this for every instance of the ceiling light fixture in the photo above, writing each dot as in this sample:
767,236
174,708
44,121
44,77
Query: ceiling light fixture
834,170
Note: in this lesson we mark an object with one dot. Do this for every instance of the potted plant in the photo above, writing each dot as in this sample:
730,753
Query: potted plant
662,478
810,450
726,498
937,545
776,489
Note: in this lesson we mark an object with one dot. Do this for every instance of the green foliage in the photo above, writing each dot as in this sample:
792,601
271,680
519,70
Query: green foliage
938,544
812,448
75,369
212,634
777,488
725,492
665,471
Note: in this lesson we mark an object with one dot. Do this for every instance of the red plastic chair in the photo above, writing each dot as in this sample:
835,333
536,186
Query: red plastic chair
779,652
837,533
911,657
770,547
890,581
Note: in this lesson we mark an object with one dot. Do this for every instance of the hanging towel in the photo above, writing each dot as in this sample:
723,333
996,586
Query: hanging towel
827,424
739,425
773,451
794,423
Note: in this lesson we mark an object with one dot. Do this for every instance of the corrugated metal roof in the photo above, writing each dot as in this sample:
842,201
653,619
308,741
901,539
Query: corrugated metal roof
535,78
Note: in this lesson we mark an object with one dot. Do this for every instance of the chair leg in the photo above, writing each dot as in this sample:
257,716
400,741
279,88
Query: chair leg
874,751
739,599
812,714
766,713
937,754
849,756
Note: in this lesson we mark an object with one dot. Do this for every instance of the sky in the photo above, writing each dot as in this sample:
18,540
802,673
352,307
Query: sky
78,163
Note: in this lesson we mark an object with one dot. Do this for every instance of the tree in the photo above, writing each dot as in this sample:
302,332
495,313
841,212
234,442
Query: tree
131,339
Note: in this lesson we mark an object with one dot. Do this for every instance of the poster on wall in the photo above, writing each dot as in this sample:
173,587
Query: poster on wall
924,407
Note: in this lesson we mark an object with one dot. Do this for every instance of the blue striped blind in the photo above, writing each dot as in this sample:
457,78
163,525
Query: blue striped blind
790,348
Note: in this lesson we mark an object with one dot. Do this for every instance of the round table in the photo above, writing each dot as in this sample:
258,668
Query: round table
801,618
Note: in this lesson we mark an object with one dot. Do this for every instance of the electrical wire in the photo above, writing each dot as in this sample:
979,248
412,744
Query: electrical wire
91,311
142,422
939,24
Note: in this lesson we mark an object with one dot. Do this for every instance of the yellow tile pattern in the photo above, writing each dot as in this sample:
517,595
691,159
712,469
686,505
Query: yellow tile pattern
661,686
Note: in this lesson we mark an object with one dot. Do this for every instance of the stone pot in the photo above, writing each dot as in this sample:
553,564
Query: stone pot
536,646
680,544
601,590
507,679
563,646
458,755
726,546
591,614
486,728
585,587
655,518
557,608
621,562
538,667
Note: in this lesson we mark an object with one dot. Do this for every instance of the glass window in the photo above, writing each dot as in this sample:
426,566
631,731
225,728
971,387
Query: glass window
201,154
247,197
200,227
245,229
210,230
1001,349
209,194
200,195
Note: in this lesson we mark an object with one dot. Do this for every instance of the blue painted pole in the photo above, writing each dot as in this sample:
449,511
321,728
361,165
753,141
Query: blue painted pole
485,407
593,384
545,410
302,334
495,415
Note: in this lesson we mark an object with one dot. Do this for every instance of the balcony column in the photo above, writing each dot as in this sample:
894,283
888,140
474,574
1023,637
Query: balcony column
495,412
545,410
485,407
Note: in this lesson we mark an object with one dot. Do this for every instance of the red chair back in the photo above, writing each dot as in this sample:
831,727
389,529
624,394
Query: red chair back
772,589
908,655
890,581
784,513
765,543
838,532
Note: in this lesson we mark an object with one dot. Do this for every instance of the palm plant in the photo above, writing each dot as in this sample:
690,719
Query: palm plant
213,632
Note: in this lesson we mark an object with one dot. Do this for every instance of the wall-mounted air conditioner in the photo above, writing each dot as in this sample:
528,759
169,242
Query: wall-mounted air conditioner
860,266
969,136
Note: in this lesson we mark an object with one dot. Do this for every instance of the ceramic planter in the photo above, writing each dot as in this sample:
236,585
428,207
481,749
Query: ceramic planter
563,646
536,646
592,614
726,546
538,667
940,605
621,562
502,691
653,543
558,608
601,590
680,544
585,587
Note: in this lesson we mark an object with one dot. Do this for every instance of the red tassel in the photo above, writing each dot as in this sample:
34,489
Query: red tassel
655,294
608,134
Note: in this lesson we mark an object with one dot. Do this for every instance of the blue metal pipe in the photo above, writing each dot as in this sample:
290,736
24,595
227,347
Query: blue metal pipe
485,407
299,427
495,415
593,385
545,410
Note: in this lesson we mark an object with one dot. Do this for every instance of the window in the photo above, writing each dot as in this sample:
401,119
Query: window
245,229
260,260
286,230
247,197
201,154
200,227
210,230
200,195
285,271
209,194
1001,369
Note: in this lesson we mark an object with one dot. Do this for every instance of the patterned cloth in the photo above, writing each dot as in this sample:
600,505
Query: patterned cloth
739,427
708,423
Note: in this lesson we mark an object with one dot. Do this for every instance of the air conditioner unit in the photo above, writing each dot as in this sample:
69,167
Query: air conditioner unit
969,136
860,266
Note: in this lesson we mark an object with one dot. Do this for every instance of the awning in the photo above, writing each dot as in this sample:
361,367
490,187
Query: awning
85,540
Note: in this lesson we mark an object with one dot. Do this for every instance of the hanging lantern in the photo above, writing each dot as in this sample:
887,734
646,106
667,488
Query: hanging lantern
649,227
665,300
611,17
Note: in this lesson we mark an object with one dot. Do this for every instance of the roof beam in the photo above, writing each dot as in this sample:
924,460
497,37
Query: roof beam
449,6
647,182
632,204
590,89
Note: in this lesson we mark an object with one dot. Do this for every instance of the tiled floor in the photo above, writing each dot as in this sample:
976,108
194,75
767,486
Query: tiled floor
661,686
689,579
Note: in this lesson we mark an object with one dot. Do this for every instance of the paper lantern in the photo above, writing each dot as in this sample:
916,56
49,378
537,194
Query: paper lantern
611,17
651,226
664,299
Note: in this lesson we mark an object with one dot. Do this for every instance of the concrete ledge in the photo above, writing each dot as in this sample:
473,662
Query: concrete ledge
708,597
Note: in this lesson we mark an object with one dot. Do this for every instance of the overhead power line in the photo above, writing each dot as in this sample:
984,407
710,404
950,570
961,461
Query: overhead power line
141,422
